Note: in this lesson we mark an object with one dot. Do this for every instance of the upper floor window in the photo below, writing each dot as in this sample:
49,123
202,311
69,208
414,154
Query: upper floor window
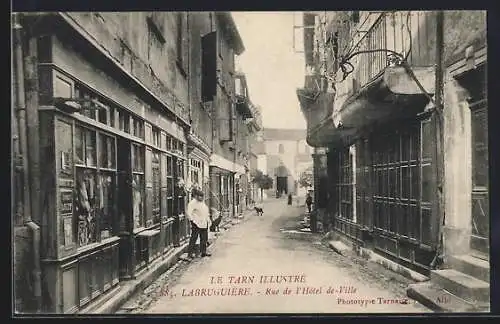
281,148
238,87
155,132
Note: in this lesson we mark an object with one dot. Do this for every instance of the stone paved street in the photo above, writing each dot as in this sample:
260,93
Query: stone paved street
252,256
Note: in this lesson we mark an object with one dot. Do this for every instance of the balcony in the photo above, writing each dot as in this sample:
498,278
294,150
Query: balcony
255,122
377,87
242,98
411,34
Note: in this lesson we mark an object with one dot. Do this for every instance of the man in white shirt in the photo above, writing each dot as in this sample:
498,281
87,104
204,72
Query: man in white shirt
199,216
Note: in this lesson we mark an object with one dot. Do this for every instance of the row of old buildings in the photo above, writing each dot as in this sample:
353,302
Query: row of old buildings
283,155
397,112
111,112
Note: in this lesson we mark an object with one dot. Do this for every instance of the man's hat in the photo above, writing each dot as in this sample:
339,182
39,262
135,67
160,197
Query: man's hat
196,192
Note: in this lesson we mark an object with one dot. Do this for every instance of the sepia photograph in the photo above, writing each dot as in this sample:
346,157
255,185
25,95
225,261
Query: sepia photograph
249,162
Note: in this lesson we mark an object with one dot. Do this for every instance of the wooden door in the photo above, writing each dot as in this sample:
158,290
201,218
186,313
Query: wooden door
480,216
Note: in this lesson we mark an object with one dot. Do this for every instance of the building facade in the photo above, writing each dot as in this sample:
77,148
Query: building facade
115,117
247,141
400,107
232,115
283,155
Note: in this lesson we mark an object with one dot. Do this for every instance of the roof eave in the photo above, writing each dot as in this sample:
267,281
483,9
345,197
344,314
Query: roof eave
237,41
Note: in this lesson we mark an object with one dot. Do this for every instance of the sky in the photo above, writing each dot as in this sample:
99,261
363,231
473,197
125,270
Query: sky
274,70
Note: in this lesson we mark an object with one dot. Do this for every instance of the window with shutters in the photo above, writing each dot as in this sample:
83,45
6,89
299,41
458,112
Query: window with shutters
209,66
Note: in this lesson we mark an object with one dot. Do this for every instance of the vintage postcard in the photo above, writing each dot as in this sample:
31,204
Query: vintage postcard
213,162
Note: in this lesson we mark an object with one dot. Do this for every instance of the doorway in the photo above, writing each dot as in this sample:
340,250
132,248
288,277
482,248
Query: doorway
124,166
475,83
480,215
282,185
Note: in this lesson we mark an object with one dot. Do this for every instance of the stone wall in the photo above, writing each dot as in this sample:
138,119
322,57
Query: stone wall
23,265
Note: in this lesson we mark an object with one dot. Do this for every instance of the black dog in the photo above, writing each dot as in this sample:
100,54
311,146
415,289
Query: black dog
216,222
259,211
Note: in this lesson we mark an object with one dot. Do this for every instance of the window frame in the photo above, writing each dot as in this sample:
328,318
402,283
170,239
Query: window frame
139,173
403,211
97,171
345,186
169,180
156,170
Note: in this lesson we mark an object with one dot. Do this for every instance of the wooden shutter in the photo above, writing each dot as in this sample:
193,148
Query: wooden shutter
209,66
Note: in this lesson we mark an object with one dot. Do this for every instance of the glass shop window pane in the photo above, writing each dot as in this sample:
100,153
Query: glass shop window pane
106,203
86,203
138,200
137,158
107,157
79,145
90,148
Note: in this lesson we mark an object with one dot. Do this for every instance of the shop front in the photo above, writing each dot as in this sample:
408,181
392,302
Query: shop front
384,191
384,185
110,167
224,176
381,171
222,192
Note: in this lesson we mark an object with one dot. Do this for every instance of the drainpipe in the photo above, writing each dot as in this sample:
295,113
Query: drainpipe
438,109
21,114
23,155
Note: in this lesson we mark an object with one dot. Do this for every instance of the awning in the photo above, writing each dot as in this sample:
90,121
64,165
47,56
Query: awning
393,94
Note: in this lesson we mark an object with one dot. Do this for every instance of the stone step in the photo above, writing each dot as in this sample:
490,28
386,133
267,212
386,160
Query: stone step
471,265
462,285
440,300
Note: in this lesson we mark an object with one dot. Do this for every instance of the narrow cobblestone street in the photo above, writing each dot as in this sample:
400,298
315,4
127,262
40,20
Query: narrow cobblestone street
265,266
